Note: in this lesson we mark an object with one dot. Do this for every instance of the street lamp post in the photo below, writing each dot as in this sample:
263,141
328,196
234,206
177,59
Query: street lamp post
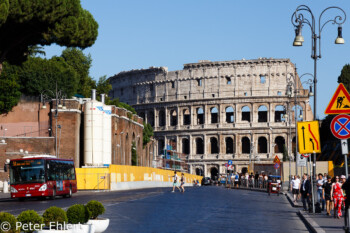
46,96
298,20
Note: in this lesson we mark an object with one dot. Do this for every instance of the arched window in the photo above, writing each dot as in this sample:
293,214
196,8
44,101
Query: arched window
246,113
279,144
245,145
262,145
185,146
161,146
214,115
229,115
229,145
150,117
161,118
142,115
173,118
262,114
199,172
200,116
279,112
199,146
186,117
214,148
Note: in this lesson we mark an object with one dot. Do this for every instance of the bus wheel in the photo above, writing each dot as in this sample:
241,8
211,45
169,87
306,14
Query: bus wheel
53,194
70,192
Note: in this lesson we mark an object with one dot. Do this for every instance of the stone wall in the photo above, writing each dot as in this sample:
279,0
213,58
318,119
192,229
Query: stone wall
219,111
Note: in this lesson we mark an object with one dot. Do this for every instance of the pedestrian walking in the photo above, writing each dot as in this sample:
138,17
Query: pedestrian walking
175,183
337,196
305,191
237,180
182,183
326,193
295,187
319,185
346,188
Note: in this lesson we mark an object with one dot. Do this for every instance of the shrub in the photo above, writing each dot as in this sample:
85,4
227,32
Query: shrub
96,208
78,214
54,215
7,217
29,217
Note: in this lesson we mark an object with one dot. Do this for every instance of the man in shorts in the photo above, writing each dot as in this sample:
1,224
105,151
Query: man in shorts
176,182
295,187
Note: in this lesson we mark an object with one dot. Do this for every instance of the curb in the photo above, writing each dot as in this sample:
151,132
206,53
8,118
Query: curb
290,199
313,226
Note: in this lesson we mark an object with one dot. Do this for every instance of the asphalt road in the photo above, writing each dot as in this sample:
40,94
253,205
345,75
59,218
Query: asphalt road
201,209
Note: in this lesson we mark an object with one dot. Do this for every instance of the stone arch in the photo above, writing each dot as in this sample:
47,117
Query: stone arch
262,113
229,145
185,146
262,145
279,144
200,116
186,117
245,145
214,147
199,146
161,146
279,112
246,113
173,118
150,117
214,173
161,119
199,171
214,115
229,114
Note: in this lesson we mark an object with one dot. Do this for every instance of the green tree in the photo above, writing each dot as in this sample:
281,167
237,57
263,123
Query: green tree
25,23
285,153
147,133
133,154
345,76
103,86
81,64
38,74
10,92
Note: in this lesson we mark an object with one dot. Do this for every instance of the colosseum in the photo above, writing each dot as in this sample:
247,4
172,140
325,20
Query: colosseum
239,110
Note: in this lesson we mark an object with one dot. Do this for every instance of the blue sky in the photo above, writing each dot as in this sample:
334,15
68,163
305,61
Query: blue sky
136,34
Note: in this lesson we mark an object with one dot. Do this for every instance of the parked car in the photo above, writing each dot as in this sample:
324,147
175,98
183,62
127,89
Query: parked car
206,181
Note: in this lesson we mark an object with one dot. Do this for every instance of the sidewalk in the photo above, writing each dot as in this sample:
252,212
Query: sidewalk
317,222
4,196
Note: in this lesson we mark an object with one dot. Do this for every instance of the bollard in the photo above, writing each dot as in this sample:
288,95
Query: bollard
6,187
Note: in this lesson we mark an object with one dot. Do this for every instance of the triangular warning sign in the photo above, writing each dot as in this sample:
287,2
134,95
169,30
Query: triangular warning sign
276,160
340,102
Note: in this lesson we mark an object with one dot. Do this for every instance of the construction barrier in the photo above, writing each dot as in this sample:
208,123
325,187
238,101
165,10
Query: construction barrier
123,177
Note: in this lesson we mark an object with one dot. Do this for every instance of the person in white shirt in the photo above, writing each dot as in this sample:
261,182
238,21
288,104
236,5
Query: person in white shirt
295,186
319,184
176,182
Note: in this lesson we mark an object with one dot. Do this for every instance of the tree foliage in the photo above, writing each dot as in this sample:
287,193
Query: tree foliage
147,133
81,64
344,76
133,154
26,23
10,92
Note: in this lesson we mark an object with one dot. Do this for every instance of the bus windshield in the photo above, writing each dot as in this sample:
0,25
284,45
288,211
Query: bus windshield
27,171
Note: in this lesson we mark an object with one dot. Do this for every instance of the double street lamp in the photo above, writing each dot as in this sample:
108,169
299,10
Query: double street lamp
298,20
47,96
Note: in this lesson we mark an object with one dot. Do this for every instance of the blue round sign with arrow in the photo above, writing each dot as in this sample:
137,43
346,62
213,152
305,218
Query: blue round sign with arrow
230,162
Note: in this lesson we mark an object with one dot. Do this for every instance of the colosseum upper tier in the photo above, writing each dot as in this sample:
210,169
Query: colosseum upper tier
213,112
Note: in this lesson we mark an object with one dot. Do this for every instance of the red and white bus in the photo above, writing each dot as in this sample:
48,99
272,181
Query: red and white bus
42,176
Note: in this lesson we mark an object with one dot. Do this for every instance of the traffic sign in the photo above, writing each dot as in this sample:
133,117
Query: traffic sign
230,162
226,165
340,102
301,161
344,147
340,126
309,137
277,165
230,167
276,160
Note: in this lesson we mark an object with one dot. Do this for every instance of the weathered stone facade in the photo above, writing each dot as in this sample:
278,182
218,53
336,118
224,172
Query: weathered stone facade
214,110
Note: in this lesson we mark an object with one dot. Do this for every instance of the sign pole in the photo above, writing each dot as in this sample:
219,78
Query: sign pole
345,151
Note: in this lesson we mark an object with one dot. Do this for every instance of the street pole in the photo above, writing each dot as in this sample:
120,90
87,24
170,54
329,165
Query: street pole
312,189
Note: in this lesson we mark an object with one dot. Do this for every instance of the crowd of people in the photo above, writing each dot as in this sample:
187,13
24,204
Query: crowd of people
331,193
246,180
